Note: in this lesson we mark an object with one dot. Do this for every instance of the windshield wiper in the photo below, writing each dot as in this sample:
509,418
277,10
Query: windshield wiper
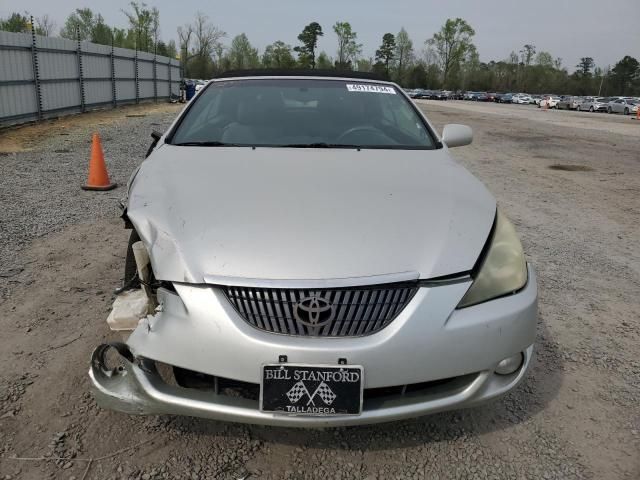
320,145
206,144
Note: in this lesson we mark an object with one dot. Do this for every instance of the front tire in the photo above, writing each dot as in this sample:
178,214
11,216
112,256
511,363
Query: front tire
626,111
609,111
591,109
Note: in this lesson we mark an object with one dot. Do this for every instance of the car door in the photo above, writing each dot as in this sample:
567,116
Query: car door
617,106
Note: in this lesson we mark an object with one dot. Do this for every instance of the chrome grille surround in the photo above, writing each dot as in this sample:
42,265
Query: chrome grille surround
357,311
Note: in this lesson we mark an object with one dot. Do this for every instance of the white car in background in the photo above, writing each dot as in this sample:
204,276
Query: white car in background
549,102
521,98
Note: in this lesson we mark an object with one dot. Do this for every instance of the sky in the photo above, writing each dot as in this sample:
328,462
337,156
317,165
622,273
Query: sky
569,29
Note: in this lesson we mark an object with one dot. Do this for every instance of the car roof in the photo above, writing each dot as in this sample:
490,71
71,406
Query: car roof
300,72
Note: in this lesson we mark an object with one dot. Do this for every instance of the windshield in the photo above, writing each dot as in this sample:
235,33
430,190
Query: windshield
302,113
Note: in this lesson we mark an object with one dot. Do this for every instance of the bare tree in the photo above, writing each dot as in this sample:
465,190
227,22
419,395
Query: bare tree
184,37
207,36
200,42
45,25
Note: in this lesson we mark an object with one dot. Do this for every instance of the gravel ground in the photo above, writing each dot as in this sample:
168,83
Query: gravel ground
569,181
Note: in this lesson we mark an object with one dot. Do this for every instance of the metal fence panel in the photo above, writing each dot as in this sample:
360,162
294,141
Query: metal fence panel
98,92
18,101
46,76
60,96
96,67
126,90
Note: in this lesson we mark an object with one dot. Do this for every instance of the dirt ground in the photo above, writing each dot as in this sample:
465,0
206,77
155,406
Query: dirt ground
569,181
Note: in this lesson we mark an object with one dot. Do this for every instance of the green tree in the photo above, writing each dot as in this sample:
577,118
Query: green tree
403,54
527,54
417,76
625,74
452,44
309,39
348,48
324,61
241,54
387,50
364,64
81,22
101,33
585,66
16,23
145,23
544,59
278,55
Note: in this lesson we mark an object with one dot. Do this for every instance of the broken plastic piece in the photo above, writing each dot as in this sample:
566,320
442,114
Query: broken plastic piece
128,308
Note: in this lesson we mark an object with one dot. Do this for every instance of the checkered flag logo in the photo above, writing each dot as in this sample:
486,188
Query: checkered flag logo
325,393
297,392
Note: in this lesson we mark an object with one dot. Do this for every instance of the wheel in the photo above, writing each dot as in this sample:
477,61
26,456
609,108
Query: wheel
578,108
609,110
591,109
626,110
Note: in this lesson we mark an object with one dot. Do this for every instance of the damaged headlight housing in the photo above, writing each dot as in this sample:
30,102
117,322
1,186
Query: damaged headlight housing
503,269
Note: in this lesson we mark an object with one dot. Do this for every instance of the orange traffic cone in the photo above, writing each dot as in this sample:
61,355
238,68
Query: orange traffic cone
98,176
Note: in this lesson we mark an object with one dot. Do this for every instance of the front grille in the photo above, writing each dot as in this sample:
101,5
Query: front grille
340,312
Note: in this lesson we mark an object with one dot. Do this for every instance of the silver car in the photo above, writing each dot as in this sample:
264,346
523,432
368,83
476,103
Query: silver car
625,106
306,252
593,104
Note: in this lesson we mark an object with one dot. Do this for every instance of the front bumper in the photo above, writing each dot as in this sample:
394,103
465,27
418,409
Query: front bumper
429,340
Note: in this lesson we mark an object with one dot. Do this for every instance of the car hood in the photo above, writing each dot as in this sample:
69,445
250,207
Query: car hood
226,213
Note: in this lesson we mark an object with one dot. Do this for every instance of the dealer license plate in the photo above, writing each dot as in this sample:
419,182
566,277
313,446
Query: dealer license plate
321,390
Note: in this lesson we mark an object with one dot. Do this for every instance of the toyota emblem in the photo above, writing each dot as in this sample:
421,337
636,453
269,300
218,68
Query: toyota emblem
314,311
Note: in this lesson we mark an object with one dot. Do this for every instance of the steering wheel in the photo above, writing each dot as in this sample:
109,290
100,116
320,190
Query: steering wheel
359,129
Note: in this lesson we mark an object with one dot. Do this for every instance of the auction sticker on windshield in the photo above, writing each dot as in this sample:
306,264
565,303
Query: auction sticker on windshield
363,87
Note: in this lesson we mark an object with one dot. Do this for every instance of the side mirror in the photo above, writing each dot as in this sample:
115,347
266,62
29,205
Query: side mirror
156,135
454,135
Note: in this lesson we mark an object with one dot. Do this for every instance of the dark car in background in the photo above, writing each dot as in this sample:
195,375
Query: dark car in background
503,98
439,95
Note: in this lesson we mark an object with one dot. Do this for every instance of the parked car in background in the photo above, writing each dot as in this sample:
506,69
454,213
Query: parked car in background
521,98
535,99
586,104
603,105
623,105
420,93
568,103
481,97
439,95
491,96
503,98
549,102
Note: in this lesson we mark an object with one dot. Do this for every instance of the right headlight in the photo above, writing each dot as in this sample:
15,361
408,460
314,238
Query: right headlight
503,270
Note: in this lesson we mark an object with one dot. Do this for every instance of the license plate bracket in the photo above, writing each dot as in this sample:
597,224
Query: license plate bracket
311,390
